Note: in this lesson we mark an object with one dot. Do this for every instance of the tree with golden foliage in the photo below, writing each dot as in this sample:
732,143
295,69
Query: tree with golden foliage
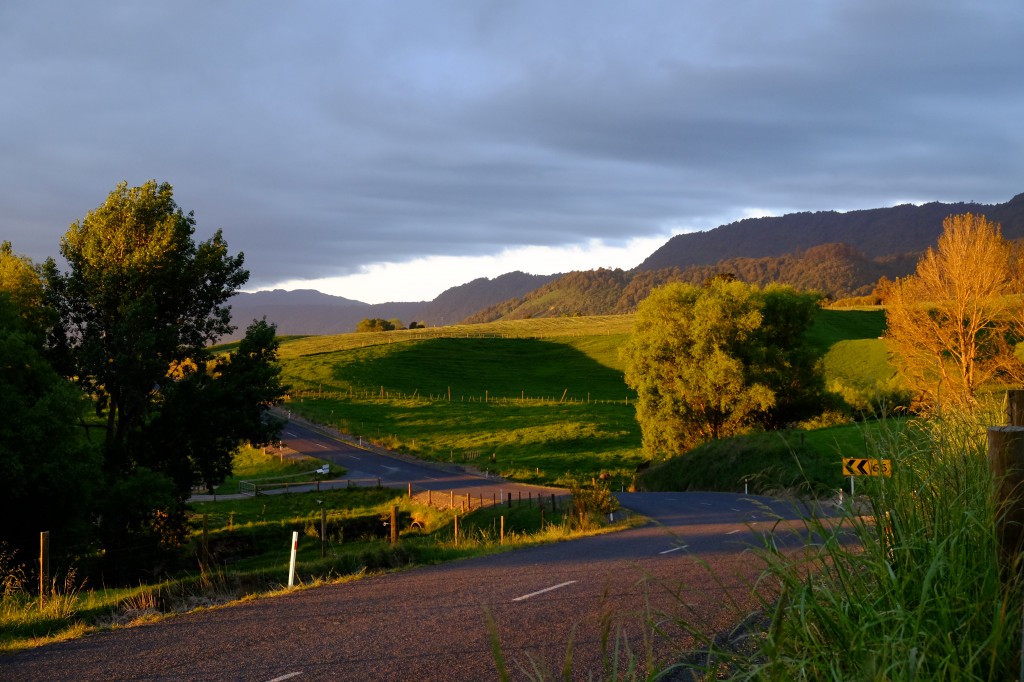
950,324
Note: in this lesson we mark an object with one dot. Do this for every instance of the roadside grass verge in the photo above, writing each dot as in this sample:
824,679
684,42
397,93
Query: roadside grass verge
920,595
906,583
793,462
240,549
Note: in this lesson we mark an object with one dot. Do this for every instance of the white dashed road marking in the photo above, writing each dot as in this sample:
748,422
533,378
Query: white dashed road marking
546,589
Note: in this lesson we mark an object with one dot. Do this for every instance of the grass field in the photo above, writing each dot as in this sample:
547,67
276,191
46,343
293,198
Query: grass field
536,400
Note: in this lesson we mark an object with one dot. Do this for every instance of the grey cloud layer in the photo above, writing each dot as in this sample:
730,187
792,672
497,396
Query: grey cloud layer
324,136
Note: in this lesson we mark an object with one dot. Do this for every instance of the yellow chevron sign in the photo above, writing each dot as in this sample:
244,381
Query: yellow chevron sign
853,466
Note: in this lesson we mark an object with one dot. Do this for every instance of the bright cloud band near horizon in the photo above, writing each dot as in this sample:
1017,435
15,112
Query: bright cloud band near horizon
424,279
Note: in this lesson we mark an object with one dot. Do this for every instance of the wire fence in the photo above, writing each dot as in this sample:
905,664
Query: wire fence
264,486
482,397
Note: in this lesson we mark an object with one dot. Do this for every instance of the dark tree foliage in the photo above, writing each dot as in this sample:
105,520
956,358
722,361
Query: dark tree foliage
49,472
137,308
376,324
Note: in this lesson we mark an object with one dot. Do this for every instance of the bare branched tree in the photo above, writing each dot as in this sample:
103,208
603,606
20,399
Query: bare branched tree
951,324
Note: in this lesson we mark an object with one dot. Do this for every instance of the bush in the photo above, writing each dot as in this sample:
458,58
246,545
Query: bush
592,500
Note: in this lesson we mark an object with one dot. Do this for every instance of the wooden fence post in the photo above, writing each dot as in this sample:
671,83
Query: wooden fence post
1006,462
1015,407
394,525
503,528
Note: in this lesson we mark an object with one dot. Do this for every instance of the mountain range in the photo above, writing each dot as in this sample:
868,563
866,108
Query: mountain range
842,254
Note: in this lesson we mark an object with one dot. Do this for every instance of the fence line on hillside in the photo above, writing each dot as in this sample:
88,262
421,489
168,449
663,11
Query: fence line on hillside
485,397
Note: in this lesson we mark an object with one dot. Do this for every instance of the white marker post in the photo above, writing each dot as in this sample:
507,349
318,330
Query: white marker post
291,567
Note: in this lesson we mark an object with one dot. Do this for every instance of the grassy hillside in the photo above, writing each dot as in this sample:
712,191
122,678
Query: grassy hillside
538,400
767,463
541,400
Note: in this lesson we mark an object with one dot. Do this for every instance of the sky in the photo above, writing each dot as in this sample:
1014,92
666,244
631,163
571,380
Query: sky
386,151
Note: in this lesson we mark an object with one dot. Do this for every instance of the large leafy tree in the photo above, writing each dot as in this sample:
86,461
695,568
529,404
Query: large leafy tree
713,361
951,324
139,297
138,306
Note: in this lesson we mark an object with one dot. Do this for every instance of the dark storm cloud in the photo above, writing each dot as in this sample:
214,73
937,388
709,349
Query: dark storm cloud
325,136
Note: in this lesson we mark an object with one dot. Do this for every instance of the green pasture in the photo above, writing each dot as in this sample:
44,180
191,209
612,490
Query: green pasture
532,440
536,400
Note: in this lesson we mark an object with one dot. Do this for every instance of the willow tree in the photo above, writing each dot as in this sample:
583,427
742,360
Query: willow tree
950,325
713,361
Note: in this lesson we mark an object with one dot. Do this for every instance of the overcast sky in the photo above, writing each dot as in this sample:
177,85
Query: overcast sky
389,150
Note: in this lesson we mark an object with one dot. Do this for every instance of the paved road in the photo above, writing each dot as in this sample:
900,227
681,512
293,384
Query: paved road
395,470
431,623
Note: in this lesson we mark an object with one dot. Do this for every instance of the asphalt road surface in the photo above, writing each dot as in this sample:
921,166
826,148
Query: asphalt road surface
594,600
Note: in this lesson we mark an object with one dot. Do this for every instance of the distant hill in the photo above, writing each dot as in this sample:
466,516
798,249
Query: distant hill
836,270
458,303
305,311
876,233
839,254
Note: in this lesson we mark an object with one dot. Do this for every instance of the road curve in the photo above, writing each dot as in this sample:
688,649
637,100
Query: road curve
693,561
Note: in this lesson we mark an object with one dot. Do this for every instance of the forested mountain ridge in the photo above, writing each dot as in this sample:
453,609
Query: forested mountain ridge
876,233
838,254
836,270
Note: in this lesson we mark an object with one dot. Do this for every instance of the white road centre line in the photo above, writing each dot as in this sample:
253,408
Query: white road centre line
674,549
289,433
733,532
706,504
325,447
284,677
546,589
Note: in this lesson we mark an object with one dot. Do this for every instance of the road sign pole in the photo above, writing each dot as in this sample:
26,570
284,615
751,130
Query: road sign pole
851,486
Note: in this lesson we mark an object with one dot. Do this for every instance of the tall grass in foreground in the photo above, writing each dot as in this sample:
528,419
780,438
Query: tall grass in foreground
919,595
905,584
